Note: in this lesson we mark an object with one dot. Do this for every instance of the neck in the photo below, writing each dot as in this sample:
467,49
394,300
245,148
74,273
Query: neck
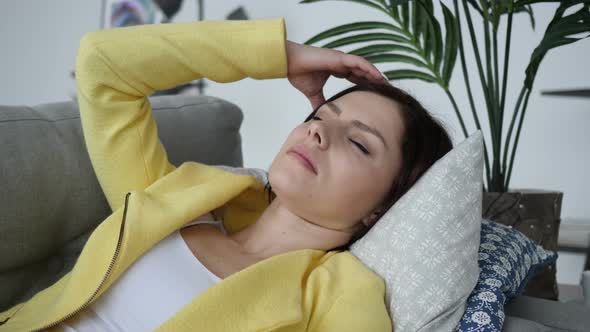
279,230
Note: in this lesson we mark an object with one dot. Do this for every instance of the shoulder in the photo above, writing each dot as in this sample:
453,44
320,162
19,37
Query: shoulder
350,270
355,311
351,297
355,297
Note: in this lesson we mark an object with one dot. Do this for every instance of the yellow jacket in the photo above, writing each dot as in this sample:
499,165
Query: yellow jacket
304,290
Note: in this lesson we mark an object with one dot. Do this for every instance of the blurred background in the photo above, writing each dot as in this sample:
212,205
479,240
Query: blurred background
39,41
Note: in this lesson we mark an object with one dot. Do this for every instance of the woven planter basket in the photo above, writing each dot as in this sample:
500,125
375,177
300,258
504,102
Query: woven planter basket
536,213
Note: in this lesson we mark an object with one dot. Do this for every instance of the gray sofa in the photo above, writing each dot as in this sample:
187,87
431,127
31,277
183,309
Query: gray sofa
51,201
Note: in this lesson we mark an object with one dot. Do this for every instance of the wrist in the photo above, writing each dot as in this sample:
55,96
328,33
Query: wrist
290,51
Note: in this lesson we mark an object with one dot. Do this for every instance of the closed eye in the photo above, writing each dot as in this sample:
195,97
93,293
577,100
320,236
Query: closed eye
358,145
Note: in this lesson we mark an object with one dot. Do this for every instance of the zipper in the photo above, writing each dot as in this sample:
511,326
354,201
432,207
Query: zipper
115,255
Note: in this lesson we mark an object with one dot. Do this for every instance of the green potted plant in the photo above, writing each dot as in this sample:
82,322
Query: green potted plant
413,36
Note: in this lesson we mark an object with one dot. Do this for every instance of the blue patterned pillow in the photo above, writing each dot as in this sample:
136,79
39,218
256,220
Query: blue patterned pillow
507,261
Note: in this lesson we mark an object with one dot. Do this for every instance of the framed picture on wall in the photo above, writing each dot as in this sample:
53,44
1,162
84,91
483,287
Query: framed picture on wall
120,13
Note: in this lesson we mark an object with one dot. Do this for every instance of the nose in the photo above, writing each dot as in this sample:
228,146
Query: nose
316,132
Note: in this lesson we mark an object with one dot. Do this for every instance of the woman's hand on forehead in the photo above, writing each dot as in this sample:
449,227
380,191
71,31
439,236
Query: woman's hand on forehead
310,67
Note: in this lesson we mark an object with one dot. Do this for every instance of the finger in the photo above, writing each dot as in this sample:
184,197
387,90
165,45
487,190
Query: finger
342,75
370,72
370,68
344,66
352,65
360,77
360,63
374,72
361,73
348,74
316,100
363,77
357,80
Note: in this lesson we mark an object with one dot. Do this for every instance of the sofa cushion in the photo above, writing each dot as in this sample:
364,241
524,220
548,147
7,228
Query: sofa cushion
50,198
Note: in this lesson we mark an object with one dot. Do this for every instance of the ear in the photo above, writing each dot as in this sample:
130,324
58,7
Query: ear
371,219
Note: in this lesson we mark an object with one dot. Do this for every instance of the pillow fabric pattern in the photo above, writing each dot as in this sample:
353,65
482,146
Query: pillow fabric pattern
425,246
508,260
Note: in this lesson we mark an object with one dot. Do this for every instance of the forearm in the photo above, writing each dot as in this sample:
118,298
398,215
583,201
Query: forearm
138,60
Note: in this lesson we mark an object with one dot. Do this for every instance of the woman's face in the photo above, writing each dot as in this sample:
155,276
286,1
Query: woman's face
348,182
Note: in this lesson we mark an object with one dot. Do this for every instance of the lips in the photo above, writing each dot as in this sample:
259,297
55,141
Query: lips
304,155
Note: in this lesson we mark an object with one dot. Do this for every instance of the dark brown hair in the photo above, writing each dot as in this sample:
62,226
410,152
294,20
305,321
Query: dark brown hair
424,141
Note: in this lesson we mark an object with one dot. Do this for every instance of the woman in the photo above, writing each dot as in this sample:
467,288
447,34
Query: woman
158,263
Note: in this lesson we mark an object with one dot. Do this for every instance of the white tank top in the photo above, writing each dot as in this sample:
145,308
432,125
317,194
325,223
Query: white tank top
168,272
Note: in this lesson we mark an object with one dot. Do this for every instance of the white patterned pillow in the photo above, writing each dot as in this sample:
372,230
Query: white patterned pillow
426,246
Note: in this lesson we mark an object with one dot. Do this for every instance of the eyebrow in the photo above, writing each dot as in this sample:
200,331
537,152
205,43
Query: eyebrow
358,124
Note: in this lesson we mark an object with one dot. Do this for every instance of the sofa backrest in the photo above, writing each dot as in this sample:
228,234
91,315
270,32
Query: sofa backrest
50,199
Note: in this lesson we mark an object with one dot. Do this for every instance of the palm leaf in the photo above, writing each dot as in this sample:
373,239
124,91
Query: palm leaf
418,22
395,11
501,7
380,48
475,5
394,3
559,32
522,3
434,40
405,15
352,27
393,57
529,10
362,2
451,44
518,8
409,74
365,38
415,38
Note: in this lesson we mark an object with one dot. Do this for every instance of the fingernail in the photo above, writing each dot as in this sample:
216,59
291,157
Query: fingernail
385,79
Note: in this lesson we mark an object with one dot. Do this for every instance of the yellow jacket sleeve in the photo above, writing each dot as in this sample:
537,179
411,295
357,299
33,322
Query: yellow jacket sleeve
355,310
117,69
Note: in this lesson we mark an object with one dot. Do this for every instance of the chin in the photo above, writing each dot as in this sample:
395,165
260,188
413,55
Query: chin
290,186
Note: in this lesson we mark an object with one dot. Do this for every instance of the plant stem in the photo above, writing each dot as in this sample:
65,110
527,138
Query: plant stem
456,111
486,29
496,184
498,176
497,90
512,121
469,93
504,80
485,150
526,101
485,87
479,67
